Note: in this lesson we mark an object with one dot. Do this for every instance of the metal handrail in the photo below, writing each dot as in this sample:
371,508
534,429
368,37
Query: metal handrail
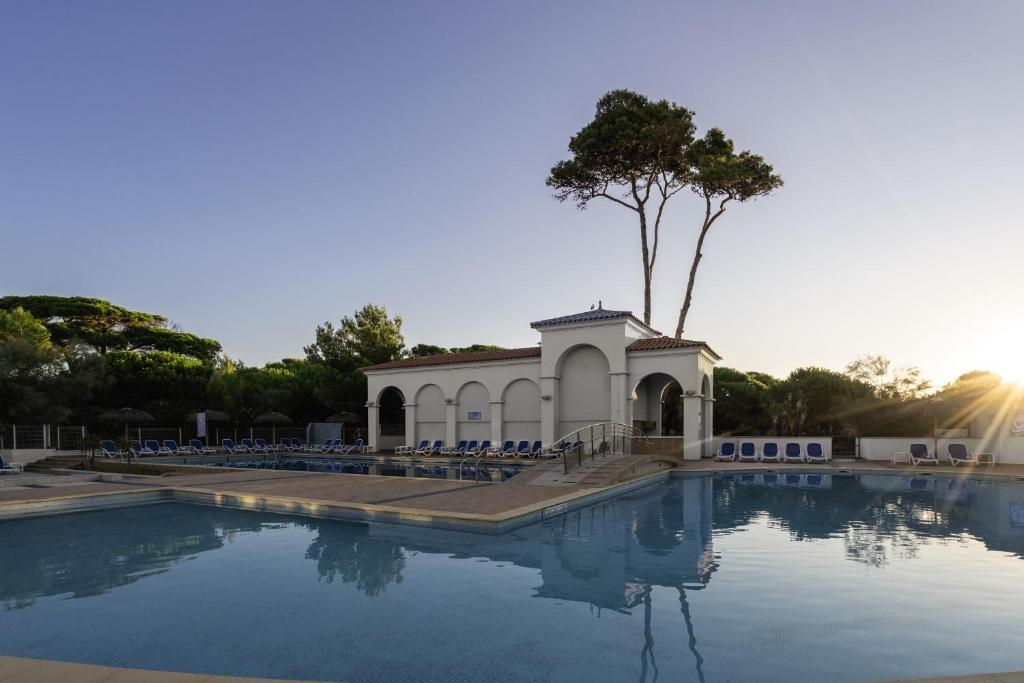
603,438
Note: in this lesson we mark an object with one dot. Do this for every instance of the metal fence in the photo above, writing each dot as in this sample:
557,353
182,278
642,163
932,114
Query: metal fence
71,437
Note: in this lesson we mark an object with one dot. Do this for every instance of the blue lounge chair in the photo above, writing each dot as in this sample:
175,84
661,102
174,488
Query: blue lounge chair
815,453
522,449
747,452
460,448
172,446
536,449
479,450
229,447
770,452
507,448
10,467
199,449
726,451
355,447
958,455
919,454
266,447
432,449
406,450
154,445
110,450
138,450
793,452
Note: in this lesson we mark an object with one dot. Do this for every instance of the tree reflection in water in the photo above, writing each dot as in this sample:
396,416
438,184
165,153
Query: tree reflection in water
349,552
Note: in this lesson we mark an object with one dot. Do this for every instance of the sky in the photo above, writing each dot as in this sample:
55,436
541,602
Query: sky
252,169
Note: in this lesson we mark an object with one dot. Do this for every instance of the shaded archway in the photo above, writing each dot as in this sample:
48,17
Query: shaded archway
391,416
431,414
658,405
521,410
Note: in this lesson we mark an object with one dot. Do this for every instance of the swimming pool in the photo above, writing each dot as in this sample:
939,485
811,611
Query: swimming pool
784,577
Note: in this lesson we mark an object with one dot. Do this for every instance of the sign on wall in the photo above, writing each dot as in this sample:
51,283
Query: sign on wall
201,425
474,415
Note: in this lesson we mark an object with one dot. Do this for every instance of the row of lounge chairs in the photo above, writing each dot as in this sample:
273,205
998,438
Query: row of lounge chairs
479,449
770,452
170,447
957,454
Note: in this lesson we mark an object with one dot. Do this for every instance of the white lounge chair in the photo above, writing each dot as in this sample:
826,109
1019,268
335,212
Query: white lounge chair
958,455
919,454
726,451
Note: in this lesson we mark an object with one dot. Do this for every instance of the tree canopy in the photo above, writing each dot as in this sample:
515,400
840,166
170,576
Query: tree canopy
633,153
107,327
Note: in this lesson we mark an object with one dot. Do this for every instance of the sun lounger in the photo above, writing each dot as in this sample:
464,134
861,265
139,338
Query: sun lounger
726,452
507,448
919,454
154,445
459,449
406,450
748,453
522,449
815,453
793,452
172,446
770,452
110,449
7,467
229,447
432,449
138,450
262,444
480,450
199,449
355,447
958,455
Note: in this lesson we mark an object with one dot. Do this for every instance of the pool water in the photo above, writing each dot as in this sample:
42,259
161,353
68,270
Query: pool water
789,577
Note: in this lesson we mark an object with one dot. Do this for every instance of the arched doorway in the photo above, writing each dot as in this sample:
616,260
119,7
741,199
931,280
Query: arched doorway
584,389
658,405
391,418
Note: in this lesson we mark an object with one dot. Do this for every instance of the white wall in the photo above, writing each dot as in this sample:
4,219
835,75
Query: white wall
29,455
1008,450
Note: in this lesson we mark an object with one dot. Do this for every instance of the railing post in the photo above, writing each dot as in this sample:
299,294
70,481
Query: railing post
14,437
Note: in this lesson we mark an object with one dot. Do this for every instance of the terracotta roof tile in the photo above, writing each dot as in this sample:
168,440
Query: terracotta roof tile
456,358
659,343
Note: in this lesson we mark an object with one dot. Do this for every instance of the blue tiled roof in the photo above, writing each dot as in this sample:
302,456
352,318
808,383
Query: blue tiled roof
585,316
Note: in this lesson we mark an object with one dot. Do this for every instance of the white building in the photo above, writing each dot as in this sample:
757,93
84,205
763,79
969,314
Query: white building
593,367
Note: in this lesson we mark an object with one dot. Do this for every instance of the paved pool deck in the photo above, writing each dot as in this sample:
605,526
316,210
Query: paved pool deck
476,506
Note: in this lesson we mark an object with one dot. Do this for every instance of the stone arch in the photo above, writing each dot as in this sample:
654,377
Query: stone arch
521,410
584,388
473,419
657,404
431,413
391,417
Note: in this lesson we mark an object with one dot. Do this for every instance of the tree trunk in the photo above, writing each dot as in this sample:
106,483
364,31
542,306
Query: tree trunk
647,267
708,220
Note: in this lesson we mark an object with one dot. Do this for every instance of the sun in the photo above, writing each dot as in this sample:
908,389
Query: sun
1002,352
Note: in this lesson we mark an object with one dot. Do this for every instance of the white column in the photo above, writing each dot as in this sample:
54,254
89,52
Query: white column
410,424
451,423
549,410
709,425
497,418
692,437
373,425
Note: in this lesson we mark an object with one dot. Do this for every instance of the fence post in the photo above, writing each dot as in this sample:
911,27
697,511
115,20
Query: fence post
14,437
251,434
179,436
82,442
58,437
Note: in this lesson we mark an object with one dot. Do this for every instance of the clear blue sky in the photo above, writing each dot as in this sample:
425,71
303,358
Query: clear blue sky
250,169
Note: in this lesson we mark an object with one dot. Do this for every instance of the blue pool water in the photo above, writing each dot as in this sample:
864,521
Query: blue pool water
793,578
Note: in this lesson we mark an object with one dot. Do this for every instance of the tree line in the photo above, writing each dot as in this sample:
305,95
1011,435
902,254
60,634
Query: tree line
77,360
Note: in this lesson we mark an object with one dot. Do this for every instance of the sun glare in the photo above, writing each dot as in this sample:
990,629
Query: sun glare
1002,352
